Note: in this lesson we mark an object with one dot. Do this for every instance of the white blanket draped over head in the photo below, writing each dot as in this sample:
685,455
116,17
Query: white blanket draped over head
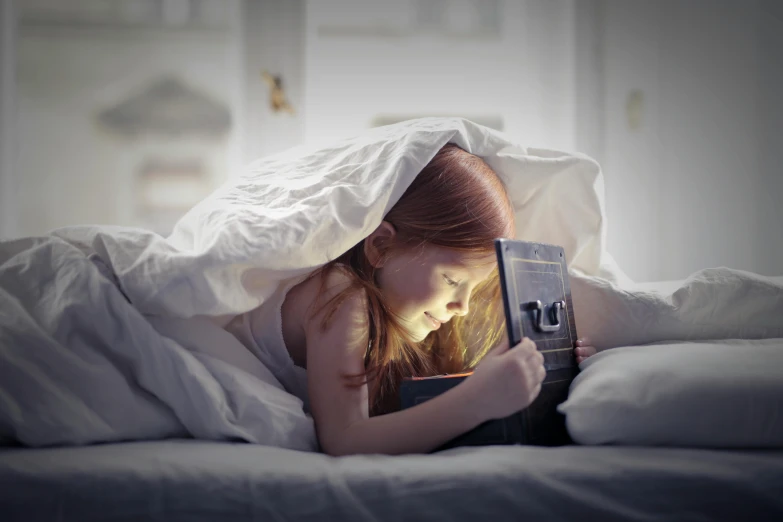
102,329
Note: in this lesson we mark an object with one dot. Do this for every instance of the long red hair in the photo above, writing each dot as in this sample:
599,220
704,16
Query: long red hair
457,201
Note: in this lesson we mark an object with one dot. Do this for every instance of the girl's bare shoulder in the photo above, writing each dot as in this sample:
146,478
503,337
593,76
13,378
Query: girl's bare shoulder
349,316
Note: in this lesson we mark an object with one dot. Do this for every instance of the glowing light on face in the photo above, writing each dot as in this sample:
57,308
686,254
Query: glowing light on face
429,287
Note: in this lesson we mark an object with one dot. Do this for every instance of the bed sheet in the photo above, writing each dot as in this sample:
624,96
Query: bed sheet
192,480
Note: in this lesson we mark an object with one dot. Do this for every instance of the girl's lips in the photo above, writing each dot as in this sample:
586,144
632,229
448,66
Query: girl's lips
435,323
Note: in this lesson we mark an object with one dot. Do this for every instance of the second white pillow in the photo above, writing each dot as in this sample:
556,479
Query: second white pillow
715,394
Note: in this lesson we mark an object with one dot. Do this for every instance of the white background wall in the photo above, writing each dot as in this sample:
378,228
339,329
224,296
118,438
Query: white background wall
70,170
272,38
524,73
698,183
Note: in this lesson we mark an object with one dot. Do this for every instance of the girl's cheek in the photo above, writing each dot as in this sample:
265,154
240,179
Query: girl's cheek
421,295
431,289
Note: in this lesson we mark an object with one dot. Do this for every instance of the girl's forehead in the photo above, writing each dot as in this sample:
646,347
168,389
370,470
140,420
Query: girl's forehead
466,260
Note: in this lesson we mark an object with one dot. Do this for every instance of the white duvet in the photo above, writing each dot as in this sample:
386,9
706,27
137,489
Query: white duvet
104,333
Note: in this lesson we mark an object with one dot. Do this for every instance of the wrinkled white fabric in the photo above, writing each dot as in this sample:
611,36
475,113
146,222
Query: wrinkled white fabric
79,364
710,373
112,333
288,214
707,394
104,333
714,303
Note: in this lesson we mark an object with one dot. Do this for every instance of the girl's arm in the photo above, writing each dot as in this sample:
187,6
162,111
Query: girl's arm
341,412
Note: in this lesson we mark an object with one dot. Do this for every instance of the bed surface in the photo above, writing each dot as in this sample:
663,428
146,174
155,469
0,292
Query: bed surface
194,480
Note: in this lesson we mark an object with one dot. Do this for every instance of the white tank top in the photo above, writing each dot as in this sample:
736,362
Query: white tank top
261,331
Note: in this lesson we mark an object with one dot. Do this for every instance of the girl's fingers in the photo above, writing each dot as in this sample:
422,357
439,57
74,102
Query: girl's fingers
535,392
585,351
528,344
525,349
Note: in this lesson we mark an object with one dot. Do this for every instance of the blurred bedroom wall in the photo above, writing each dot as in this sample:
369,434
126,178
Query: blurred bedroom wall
508,64
127,112
692,129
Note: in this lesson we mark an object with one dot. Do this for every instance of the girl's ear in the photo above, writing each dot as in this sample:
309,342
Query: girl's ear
378,242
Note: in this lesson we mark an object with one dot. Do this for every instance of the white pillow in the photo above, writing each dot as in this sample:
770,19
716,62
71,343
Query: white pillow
716,394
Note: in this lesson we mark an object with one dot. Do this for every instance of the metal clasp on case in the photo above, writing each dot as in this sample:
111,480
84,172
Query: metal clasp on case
555,313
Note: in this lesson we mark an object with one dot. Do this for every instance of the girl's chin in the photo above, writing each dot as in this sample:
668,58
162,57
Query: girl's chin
422,335
418,335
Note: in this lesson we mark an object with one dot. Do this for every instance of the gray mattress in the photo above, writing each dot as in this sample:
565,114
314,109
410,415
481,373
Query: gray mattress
193,480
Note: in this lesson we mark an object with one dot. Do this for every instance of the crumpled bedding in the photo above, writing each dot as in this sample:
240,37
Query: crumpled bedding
113,333
80,364
713,303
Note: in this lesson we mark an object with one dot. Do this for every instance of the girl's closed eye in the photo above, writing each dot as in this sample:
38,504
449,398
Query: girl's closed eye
450,281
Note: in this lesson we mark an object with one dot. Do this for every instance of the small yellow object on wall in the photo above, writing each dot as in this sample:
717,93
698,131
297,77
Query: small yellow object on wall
277,97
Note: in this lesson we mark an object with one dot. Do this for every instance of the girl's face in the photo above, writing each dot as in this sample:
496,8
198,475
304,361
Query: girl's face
429,286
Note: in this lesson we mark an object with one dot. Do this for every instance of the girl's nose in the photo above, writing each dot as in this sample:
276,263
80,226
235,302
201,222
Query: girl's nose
459,307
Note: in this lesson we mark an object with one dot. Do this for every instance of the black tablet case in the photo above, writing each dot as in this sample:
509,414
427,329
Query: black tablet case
537,302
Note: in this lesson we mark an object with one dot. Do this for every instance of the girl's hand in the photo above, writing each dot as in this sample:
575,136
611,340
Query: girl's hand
506,380
584,349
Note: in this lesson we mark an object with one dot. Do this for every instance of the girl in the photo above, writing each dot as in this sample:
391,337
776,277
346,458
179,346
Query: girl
419,296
